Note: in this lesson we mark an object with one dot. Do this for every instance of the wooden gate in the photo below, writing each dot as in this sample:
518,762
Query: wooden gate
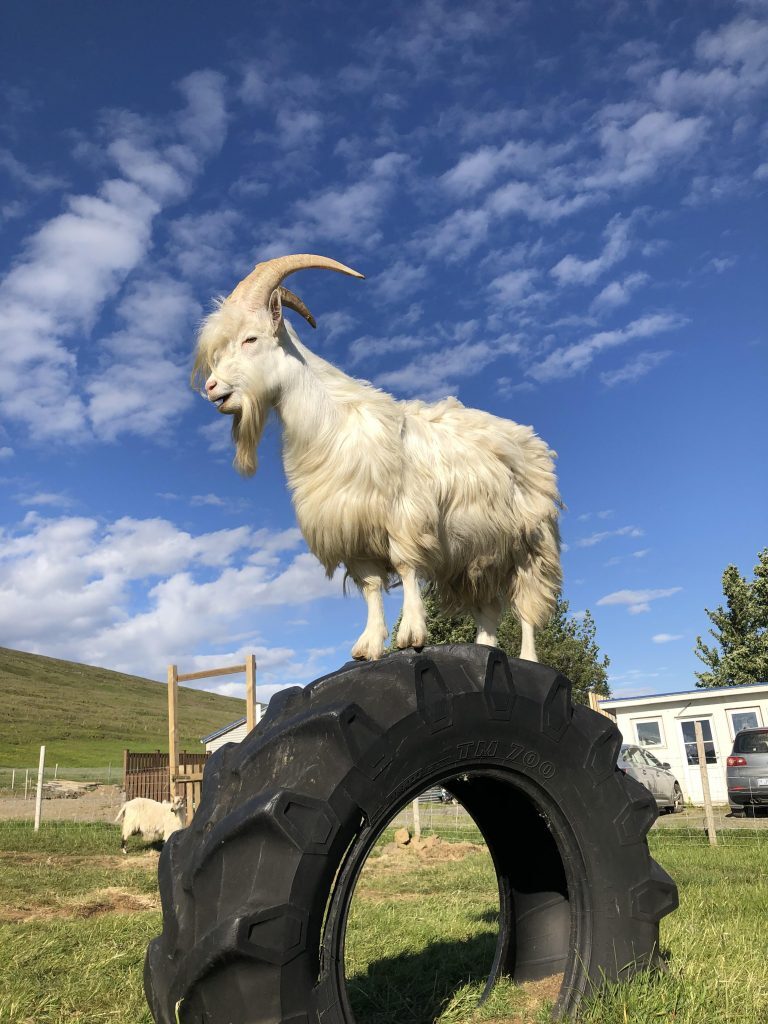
189,785
184,774
145,773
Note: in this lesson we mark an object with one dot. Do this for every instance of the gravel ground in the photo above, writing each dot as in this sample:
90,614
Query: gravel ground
99,804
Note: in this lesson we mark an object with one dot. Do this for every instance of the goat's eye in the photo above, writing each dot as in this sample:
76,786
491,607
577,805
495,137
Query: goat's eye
248,341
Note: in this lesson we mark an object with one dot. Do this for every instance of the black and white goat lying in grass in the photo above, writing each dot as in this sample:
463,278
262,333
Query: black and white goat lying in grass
458,498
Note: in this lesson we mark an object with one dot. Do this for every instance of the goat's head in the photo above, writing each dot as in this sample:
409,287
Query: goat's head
243,349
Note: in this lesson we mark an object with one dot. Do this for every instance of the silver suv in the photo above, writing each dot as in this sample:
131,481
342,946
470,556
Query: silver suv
643,766
747,772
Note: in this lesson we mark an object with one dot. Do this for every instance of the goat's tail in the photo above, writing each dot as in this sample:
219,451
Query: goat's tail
120,813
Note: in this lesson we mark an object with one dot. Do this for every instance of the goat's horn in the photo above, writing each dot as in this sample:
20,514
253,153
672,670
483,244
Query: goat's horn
294,302
257,287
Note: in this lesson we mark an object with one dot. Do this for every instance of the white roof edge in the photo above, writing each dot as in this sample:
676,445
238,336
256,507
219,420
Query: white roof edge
690,695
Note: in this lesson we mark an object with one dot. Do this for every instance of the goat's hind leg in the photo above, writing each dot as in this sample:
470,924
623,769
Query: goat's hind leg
412,631
371,580
528,646
487,620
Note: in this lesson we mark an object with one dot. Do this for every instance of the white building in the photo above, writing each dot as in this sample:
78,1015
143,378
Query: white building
664,723
232,733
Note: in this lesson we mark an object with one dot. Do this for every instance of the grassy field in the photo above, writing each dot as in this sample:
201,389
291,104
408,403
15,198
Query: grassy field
91,714
77,917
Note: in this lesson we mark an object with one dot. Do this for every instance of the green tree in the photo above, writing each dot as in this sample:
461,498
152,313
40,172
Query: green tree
740,630
567,644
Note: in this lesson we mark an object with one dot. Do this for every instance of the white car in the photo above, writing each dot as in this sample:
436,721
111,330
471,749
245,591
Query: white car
655,776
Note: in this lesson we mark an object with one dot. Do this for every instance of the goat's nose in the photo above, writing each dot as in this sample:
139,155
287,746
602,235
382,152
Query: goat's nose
210,384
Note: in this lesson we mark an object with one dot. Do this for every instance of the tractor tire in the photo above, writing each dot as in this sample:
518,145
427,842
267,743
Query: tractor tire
255,892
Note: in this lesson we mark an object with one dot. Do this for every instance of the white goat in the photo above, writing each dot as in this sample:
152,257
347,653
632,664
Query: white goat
150,818
456,497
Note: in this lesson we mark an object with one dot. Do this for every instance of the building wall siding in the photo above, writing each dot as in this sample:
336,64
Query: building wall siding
708,706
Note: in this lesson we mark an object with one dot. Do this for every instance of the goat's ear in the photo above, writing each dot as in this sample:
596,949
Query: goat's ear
276,308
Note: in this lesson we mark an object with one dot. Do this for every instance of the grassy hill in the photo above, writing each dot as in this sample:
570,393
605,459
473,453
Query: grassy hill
87,716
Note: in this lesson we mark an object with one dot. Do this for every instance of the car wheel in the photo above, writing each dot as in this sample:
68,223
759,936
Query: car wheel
309,791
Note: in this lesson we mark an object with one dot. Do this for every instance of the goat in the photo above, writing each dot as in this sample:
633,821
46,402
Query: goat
151,819
459,498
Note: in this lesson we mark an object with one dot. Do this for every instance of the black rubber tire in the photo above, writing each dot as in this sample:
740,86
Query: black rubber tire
255,892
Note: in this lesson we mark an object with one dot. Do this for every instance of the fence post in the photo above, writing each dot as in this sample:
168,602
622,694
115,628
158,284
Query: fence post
416,820
173,757
708,815
26,784
13,778
39,797
109,773
250,691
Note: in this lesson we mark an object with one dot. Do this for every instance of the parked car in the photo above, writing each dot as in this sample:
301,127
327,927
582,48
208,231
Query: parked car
654,775
437,794
747,772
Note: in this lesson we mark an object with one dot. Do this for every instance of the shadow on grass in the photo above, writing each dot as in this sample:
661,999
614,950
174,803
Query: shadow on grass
414,988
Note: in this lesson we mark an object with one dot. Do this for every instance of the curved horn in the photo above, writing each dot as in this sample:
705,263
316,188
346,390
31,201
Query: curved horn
294,302
257,287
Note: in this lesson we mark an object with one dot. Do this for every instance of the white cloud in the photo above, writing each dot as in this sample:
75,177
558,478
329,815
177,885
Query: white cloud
397,282
573,270
636,152
666,638
79,259
47,499
513,287
618,293
598,538
6,452
350,213
634,369
431,378
456,236
565,362
137,594
733,65
33,181
367,347
534,203
637,601
474,171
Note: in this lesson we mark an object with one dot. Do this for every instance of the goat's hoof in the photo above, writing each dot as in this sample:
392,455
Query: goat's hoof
412,638
368,648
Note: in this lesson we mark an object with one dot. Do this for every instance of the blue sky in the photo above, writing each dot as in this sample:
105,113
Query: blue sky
560,213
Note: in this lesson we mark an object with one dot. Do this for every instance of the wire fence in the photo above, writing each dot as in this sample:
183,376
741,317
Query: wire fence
78,796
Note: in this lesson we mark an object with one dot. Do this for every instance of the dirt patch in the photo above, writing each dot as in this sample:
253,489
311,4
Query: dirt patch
118,862
433,849
112,900
537,994
100,803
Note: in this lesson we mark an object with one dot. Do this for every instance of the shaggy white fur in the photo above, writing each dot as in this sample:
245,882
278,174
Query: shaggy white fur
456,497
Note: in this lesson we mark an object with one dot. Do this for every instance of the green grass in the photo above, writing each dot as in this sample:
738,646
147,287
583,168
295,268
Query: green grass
419,942
87,716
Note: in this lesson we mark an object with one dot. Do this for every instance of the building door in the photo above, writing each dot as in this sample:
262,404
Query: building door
715,771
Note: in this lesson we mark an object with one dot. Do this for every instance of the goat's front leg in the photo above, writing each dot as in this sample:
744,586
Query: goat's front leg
370,643
412,631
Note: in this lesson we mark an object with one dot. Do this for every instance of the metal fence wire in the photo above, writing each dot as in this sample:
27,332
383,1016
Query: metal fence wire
83,795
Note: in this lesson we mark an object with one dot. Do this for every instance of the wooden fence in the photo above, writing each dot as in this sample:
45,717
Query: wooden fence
147,773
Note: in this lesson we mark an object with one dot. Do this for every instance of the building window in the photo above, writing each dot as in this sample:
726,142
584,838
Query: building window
689,738
744,718
649,732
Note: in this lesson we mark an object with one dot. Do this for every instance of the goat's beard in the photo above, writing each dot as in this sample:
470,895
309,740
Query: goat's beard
247,428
